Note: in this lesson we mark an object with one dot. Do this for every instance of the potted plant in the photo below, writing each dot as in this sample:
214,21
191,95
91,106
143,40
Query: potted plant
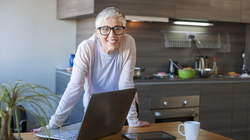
18,93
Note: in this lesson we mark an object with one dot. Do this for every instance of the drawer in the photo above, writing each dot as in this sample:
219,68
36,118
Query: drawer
175,102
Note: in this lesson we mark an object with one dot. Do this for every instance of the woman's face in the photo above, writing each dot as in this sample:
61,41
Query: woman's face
110,43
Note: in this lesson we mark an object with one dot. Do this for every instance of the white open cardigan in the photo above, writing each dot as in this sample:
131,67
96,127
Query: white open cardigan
81,77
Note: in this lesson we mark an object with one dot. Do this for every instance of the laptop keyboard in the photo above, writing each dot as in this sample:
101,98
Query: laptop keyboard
67,135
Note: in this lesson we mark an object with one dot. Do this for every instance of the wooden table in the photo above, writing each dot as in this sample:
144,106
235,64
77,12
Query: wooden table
170,128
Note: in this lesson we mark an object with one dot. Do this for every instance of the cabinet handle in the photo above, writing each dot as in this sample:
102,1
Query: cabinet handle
165,103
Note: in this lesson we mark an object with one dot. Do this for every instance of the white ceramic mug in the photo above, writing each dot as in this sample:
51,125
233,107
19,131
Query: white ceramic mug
191,130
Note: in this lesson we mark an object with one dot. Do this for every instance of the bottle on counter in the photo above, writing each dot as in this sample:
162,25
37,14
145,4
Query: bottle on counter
215,72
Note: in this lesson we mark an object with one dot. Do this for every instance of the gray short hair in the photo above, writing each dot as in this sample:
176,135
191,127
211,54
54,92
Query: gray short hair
110,12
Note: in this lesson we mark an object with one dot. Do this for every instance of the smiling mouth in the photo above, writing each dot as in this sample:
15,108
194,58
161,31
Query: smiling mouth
112,41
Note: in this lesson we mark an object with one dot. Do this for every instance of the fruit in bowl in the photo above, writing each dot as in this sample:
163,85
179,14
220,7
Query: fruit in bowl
187,73
188,68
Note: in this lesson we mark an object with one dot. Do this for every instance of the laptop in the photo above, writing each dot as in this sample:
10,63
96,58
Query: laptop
105,115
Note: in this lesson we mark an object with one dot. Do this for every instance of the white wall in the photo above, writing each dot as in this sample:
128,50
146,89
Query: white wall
33,42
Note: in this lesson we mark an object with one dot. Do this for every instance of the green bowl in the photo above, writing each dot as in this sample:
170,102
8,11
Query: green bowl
187,74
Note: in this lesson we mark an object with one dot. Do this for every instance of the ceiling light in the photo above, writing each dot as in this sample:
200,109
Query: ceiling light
193,23
146,18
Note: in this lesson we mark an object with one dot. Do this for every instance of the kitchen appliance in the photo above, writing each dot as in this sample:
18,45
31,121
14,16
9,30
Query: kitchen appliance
172,69
177,108
137,72
201,62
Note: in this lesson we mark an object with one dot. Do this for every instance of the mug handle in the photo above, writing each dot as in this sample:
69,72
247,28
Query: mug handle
179,129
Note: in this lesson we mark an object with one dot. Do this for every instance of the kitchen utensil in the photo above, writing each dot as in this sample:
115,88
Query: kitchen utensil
227,45
191,129
166,41
198,43
205,73
201,62
138,71
175,64
218,44
172,69
187,73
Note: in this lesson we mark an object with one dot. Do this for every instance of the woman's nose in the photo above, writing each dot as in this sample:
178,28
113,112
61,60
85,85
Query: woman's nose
112,33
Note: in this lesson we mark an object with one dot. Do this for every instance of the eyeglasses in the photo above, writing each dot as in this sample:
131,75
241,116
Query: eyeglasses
105,30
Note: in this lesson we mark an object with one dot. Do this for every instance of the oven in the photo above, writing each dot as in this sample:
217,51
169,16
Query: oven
178,108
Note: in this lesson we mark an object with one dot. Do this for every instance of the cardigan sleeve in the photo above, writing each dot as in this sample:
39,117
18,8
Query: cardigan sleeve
128,50
75,86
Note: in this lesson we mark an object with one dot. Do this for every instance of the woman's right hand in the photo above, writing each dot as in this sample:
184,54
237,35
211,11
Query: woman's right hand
37,130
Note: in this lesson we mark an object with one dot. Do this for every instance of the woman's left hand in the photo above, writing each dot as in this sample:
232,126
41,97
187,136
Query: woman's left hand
142,124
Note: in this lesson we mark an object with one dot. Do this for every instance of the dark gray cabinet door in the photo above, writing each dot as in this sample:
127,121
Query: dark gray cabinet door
248,116
171,90
216,108
143,92
225,10
245,10
239,112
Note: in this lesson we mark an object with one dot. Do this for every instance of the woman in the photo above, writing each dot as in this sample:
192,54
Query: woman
104,62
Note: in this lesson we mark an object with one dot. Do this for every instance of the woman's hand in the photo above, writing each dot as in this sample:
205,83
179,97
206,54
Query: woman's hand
37,130
142,124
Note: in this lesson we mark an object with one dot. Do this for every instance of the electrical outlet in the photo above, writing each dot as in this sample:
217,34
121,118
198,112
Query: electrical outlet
191,36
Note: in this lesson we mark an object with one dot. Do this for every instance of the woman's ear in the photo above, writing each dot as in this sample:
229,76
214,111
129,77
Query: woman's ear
97,33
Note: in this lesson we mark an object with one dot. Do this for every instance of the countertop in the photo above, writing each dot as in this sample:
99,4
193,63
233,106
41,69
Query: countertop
178,80
170,127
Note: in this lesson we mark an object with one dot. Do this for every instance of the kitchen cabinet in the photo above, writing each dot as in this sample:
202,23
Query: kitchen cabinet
171,90
215,10
248,117
195,9
216,107
245,11
144,92
225,10
76,9
73,9
223,109
66,8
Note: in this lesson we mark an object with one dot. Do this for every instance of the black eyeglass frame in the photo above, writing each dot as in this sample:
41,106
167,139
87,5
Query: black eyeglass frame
111,28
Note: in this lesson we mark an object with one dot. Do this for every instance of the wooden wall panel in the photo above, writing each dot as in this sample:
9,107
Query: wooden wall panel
85,29
152,54
195,9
